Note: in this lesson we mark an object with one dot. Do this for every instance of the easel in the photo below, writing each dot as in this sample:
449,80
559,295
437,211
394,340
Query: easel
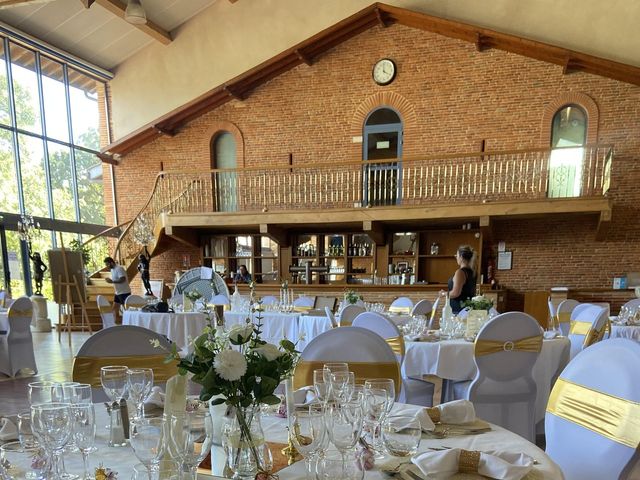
66,312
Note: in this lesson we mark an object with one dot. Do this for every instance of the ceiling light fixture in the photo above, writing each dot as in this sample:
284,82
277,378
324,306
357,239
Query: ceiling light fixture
135,13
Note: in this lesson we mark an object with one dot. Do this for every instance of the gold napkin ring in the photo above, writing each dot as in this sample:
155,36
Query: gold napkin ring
468,461
434,414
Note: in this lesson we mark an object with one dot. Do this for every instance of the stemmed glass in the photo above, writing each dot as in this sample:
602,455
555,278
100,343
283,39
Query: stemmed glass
51,423
331,368
320,386
388,385
83,431
148,441
308,430
375,407
344,424
191,438
401,435
139,383
342,385
114,383
40,392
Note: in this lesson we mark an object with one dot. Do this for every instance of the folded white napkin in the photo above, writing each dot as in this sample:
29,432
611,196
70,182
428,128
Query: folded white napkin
499,465
8,430
550,335
155,398
456,412
304,396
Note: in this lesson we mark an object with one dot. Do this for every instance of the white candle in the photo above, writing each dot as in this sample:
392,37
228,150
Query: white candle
481,279
288,393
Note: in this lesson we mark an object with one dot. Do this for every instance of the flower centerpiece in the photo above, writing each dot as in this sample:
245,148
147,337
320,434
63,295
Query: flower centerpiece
193,295
241,370
352,297
479,314
479,302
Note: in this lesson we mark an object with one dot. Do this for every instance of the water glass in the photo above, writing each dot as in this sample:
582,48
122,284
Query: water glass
338,467
114,384
81,393
51,423
83,432
191,438
320,386
307,430
139,384
22,462
40,392
167,470
25,433
344,424
401,435
147,437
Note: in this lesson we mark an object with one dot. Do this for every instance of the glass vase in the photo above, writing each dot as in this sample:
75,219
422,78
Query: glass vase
248,454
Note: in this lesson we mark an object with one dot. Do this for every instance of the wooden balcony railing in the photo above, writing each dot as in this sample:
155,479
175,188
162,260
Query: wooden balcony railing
456,178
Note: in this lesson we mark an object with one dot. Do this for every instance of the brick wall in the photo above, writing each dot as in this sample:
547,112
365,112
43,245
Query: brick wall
453,97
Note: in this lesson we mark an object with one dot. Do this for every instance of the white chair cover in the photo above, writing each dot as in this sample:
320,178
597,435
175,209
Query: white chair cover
269,300
503,391
401,305
423,307
563,312
106,312
373,358
579,334
415,390
599,387
134,301
633,304
331,316
126,340
177,299
349,313
219,299
304,302
16,346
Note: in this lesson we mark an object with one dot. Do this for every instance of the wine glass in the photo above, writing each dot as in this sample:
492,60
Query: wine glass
333,467
81,393
388,385
51,424
83,432
330,368
25,432
114,384
320,386
307,430
401,435
375,407
344,424
40,392
191,438
167,470
139,384
342,384
147,437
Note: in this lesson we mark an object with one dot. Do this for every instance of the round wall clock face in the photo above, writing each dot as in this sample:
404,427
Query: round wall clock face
384,71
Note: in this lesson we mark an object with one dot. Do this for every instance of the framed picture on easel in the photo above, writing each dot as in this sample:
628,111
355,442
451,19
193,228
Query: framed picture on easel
74,273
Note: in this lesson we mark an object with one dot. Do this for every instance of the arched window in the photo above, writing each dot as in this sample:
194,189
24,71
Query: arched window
568,138
224,156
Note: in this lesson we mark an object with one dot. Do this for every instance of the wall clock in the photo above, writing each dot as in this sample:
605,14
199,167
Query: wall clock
384,71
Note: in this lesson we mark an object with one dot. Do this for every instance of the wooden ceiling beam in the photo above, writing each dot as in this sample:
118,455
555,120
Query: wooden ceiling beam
154,31
380,16
88,3
303,58
276,233
483,42
376,232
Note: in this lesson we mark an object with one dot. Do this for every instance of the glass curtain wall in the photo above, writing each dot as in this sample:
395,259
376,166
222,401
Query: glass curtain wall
51,119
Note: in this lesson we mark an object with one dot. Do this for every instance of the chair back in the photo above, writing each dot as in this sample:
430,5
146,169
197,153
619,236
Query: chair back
303,304
423,307
372,359
20,315
384,327
269,300
134,301
592,416
633,304
588,325
401,305
106,312
331,316
220,299
126,345
462,314
563,313
16,349
322,302
505,351
349,313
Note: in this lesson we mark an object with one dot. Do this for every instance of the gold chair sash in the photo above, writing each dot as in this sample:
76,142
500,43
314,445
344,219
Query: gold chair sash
87,369
400,309
527,344
564,317
579,328
303,374
396,344
612,417
105,309
14,312
434,414
468,461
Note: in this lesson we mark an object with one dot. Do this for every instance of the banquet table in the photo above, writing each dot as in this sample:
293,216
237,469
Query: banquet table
626,331
453,360
180,328
123,459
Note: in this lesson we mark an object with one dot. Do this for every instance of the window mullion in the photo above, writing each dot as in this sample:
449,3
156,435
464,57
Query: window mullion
45,146
14,121
74,175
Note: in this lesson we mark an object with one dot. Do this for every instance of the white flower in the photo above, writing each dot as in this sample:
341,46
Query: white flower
478,298
230,365
240,334
268,351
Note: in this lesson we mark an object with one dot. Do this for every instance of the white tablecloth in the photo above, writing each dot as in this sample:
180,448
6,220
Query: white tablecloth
623,331
123,459
180,328
453,360
309,327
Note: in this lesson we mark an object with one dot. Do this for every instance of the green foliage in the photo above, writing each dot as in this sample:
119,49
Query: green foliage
76,246
479,302
352,297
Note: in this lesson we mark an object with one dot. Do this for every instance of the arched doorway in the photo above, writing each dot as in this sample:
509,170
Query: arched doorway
223,156
568,138
382,140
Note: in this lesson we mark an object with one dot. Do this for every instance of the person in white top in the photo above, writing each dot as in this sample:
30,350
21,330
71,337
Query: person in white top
120,283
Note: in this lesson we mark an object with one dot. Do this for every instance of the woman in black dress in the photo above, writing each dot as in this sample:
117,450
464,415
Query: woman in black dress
462,286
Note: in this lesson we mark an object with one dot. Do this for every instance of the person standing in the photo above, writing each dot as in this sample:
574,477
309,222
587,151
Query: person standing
462,285
120,283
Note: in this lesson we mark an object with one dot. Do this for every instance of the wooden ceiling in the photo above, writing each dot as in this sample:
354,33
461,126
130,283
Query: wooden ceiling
383,15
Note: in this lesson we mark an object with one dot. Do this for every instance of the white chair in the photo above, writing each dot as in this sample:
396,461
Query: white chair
401,305
16,345
106,312
373,358
633,304
415,390
269,300
304,303
348,313
177,299
434,312
331,316
220,299
563,313
134,301
503,390
126,345
592,416
588,324
423,307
